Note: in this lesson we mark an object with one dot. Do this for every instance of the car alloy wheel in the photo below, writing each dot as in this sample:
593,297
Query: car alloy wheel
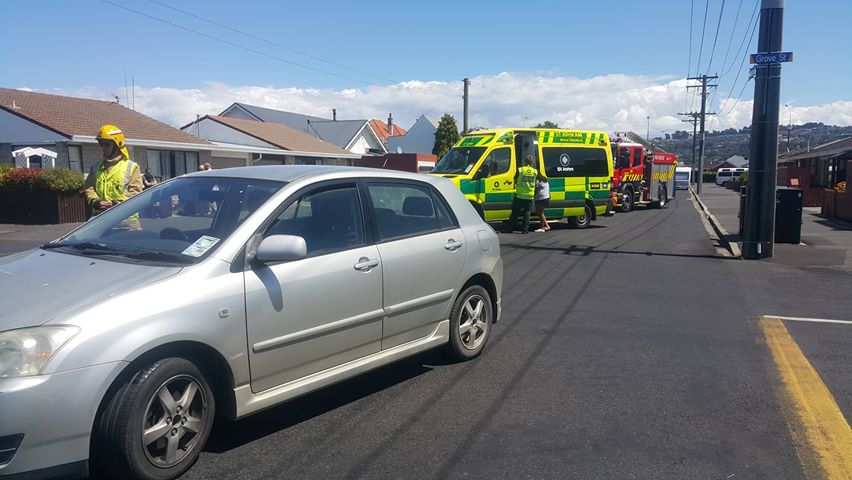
174,421
473,322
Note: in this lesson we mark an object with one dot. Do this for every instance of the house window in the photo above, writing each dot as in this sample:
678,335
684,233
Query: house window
75,157
166,164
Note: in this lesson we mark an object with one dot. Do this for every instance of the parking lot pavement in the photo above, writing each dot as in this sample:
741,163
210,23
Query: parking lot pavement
16,238
826,243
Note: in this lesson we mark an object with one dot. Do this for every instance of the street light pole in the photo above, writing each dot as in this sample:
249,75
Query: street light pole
648,135
789,124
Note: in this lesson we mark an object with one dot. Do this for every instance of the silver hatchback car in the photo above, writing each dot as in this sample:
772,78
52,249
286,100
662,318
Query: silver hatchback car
224,293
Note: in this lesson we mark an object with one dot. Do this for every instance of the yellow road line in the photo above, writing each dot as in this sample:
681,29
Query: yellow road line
826,430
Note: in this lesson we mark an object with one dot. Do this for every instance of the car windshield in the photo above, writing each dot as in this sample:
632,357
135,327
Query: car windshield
459,160
681,175
181,221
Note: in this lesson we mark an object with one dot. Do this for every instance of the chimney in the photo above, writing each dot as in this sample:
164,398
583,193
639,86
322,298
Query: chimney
334,114
390,124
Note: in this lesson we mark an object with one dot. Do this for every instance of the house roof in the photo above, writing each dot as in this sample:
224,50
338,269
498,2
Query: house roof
829,149
738,161
337,132
381,129
279,135
72,116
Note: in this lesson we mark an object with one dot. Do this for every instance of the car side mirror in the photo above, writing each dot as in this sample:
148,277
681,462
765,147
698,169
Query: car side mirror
281,248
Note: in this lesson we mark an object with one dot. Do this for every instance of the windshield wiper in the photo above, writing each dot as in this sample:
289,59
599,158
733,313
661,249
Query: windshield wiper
158,256
79,246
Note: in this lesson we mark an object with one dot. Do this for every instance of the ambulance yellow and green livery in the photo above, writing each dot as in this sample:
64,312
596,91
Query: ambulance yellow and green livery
577,164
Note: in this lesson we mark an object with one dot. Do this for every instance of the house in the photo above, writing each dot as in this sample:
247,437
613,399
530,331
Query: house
735,161
816,168
420,138
385,130
66,126
270,143
356,136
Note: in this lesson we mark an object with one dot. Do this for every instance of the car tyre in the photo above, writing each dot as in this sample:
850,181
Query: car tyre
471,320
155,424
583,221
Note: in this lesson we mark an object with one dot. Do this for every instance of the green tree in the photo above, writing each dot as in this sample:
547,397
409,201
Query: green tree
547,124
446,136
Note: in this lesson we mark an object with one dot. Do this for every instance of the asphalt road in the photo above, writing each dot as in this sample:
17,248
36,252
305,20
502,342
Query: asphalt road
628,350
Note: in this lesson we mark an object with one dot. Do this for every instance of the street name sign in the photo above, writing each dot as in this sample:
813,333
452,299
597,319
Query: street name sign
771,57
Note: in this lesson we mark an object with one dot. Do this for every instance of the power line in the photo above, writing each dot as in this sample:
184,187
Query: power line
716,38
739,71
270,42
733,32
738,98
689,63
753,23
233,44
703,30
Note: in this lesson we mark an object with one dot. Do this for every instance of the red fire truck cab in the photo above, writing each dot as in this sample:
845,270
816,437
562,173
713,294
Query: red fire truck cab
641,177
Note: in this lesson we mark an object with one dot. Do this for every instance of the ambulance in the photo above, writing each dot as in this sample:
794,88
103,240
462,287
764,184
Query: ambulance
577,163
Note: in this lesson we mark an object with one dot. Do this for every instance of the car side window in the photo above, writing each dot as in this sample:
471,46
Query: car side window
402,210
445,219
328,219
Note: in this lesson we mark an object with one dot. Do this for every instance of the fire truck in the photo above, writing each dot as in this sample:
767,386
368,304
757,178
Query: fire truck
640,176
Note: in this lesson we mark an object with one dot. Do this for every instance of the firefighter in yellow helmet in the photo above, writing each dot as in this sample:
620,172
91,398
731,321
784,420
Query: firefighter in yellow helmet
115,178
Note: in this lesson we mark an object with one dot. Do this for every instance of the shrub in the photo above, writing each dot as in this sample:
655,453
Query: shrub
60,180
709,177
20,180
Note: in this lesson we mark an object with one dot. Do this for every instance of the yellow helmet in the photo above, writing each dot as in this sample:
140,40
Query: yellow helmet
115,135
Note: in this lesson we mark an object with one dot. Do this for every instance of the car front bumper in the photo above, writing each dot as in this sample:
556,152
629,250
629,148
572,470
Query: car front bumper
55,414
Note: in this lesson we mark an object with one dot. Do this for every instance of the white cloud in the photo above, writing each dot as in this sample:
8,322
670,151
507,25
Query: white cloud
613,102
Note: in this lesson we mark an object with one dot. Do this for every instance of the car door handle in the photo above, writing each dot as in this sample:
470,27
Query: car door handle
365,264
452,245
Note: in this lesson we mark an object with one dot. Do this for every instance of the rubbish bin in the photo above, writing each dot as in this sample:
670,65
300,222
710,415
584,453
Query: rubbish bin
743,198
788,215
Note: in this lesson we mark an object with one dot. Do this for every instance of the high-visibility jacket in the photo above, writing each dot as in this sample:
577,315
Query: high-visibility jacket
525,188
112,181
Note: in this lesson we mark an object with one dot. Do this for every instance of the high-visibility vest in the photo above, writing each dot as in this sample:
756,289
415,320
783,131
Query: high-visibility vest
525,189
111,181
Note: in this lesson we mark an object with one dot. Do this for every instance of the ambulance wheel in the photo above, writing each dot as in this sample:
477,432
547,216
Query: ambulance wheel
583,220
627,200
470,323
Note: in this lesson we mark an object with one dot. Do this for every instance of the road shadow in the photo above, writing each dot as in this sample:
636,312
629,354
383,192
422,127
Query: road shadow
585,251
833,223
228,435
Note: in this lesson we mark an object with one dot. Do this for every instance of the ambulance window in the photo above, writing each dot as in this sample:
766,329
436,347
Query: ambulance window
575,162
497,163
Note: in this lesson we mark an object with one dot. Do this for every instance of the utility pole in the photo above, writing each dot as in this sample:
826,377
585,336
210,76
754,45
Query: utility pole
648,135
704,79
759,231
466,96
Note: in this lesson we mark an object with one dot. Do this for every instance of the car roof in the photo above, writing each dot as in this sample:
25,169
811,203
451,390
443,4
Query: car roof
290,173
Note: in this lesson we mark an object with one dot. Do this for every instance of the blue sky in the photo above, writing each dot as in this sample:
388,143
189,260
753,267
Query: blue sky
86,45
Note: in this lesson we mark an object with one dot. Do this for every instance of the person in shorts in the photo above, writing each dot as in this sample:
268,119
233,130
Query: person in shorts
542,200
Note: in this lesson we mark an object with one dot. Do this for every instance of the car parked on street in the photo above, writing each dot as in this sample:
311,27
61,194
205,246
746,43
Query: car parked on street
223,293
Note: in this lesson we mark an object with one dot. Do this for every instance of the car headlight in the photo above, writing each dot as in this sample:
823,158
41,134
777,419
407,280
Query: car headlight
25,352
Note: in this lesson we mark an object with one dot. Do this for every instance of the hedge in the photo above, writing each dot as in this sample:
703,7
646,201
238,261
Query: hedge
60,180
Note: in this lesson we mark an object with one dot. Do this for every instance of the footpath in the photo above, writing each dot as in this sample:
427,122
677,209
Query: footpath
826,243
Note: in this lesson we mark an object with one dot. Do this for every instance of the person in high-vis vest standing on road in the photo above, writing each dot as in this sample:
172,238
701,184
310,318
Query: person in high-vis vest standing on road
524,193
115,178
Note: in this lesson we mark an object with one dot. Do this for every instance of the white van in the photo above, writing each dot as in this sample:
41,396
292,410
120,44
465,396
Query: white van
683,178
725,175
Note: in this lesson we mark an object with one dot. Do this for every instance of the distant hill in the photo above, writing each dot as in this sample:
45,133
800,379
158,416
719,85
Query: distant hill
722,144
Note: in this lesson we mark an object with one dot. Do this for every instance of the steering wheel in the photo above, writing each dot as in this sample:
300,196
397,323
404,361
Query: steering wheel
171,233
